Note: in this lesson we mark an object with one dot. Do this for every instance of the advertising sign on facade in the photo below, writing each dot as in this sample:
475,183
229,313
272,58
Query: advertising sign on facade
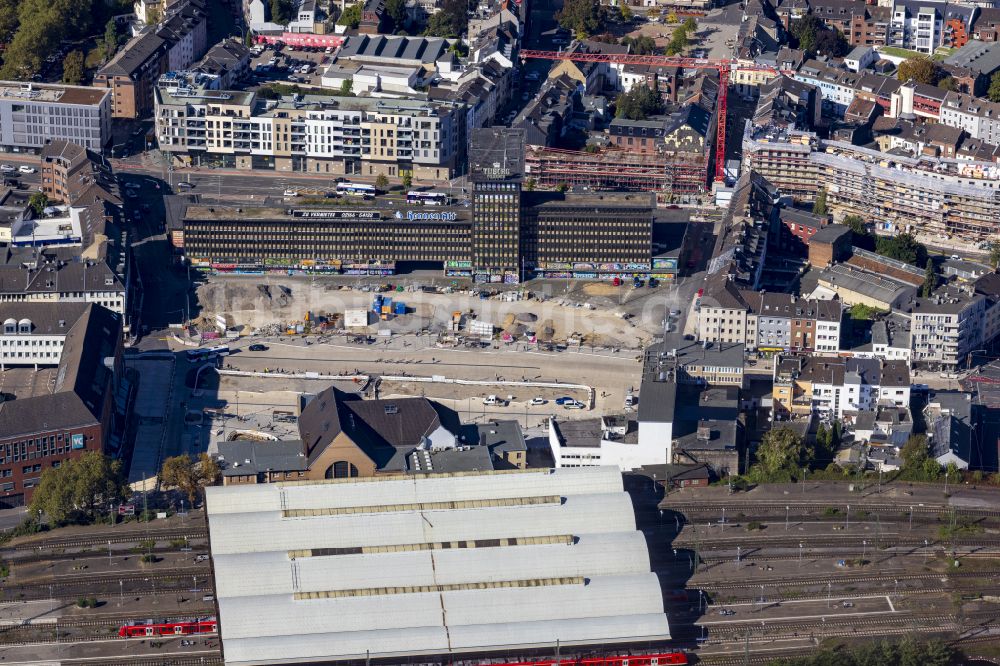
78,441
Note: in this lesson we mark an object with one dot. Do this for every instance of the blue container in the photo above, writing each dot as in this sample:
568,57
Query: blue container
377,303
399,308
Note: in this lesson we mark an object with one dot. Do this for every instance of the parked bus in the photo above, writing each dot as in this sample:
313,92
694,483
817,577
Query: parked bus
427,198
356,190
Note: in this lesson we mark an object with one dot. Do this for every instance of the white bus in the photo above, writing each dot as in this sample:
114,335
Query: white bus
356,190
427,198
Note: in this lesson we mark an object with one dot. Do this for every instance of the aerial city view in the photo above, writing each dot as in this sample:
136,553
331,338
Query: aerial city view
500,332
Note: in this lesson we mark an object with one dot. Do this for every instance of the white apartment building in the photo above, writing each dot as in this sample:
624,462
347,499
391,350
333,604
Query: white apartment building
186,32
33,113
979,117
363,136
33,334
948,325
606,440
832,388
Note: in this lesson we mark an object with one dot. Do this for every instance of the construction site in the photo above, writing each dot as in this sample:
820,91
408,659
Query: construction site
673,176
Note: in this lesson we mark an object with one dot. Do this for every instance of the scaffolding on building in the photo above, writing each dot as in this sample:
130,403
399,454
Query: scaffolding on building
668,174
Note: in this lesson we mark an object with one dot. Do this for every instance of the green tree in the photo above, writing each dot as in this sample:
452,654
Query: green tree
110,40
995,255
281,11
690,25
189,475
831,42
914,453
819,206
583,17
8,19
38,202
407,180
641,45
381,182
781,454
857,224
638,103
347,88
351,16
451,21
902,247
920,68
862,312
678,40
78,487
625,12
73,69
805,29
994,92
930,279
948,83
395,12
530,184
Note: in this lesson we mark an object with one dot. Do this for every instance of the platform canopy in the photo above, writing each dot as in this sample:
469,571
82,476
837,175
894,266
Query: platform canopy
432,565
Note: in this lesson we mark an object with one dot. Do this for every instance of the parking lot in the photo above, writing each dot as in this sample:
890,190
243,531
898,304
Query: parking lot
287,64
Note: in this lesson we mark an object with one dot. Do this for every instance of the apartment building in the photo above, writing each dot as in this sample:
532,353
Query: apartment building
835,387
72,173
186,32
336,136
33,113
947,326
768,322
34,333
922,193
132,74
837,87
978,117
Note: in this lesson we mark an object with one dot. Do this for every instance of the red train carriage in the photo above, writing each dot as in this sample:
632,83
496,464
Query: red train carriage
144,628
659,659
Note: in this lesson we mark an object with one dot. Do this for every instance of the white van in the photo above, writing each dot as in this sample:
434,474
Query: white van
492,400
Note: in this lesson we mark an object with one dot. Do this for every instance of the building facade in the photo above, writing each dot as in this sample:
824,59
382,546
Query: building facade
33,113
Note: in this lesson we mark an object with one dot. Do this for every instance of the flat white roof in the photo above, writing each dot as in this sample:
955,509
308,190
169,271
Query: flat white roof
430,565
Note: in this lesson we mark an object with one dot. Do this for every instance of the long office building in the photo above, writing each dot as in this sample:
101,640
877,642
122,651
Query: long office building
504,235
313,134
926,194
33,113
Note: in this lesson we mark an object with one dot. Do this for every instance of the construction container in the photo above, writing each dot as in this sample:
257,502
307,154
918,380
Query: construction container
377,303
399,308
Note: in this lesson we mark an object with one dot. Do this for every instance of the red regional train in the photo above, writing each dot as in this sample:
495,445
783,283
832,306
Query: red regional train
659,659
144,628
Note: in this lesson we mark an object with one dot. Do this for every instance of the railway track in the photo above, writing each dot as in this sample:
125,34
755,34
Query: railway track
105,585
779,541
813,508
102,539
863,579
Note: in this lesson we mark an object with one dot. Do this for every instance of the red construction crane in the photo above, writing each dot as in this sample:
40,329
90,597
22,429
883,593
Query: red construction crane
721,66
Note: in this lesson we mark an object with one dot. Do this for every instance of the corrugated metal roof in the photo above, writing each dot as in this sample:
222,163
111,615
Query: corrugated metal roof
586,580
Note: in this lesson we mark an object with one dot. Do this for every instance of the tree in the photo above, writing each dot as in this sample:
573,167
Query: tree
862,312
678,41
641,45
351,16
625,12
930,279
529,184
189,475
781,454
584,17
690,25
919,68
38,202
914,453
8,19
73,68
78,487
451,21
819,206
381,182
395,12
671,17
824,443
638,103
857,224
407,180
995,255
994,92
831,42
948,83
902,247
110,40
805,29
347,88
281,11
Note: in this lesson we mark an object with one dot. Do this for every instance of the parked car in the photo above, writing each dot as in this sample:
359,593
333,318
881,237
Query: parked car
537,401
565,400
185,185
24,168
291,193
6,168
257,347
576,404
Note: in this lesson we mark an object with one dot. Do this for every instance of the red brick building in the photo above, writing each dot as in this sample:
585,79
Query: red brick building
77,414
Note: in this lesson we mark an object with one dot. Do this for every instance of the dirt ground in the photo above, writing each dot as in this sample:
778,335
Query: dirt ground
590,311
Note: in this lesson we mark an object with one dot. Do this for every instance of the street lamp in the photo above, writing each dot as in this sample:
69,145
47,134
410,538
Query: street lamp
847,523
926,543
737,557
911,517
800,554
786,518
829,587
864,551
723,519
